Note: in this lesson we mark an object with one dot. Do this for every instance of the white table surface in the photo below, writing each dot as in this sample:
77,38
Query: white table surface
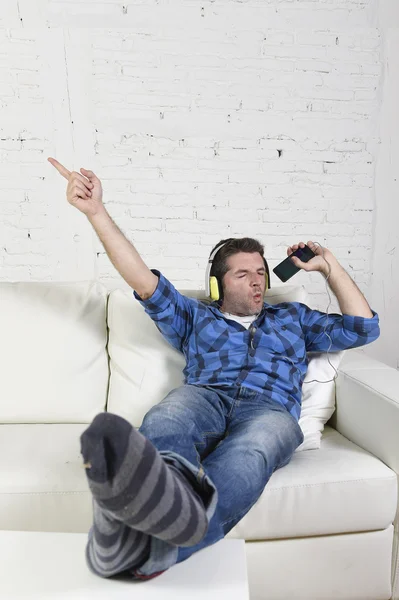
43,565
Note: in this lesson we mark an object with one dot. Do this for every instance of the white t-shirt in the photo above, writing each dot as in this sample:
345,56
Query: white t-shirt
246,321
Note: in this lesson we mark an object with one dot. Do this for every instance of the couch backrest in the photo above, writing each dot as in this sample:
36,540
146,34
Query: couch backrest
144,367
53,355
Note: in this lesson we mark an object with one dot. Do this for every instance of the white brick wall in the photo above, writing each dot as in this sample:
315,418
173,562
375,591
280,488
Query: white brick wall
203,121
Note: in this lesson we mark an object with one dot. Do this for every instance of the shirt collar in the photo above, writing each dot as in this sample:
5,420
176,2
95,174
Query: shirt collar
216,304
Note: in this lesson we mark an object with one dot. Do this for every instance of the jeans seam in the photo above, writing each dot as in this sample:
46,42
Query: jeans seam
235,402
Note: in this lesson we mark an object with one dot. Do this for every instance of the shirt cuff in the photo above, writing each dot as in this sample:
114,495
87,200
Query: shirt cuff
361,324
159,300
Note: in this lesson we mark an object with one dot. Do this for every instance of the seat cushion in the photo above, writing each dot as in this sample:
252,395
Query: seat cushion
339,488
43,483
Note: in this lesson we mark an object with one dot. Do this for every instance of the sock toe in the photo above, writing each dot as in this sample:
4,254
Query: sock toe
103,446
94,459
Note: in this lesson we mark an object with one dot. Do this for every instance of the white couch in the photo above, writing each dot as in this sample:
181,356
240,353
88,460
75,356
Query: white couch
326,525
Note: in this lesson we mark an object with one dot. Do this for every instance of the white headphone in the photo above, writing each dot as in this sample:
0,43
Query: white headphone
213,286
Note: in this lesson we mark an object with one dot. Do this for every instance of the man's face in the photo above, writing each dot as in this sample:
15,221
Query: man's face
244,284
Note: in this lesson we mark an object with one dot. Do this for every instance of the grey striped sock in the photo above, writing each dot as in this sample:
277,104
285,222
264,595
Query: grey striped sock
113,547
130,480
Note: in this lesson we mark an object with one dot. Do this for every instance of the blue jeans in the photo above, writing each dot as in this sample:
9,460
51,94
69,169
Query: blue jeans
228,441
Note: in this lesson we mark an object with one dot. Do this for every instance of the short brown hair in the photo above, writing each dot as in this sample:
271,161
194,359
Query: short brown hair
220,267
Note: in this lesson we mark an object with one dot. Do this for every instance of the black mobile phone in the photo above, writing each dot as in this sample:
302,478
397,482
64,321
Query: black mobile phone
287,269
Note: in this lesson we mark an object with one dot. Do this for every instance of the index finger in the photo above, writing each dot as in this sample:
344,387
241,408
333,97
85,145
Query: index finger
60,168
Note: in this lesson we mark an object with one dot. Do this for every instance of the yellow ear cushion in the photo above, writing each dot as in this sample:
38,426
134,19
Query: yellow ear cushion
214,287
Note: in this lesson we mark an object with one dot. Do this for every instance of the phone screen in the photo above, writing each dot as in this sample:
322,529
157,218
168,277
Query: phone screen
286,269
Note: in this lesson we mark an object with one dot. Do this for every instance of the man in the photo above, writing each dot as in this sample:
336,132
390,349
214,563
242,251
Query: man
204,454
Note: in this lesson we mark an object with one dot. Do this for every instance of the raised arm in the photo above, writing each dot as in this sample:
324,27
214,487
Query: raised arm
84,191
124,255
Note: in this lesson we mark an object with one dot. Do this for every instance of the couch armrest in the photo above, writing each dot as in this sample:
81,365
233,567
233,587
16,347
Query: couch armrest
367,406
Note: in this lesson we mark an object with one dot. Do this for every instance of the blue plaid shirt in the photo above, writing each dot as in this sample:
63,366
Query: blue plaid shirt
222,352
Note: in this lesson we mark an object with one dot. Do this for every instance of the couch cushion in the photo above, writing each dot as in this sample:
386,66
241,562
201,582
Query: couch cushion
339,488
53,357
138,351
43,482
